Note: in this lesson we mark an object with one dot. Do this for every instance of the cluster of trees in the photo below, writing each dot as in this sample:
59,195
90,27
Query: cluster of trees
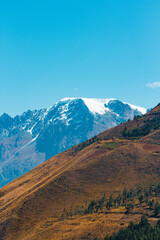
138,116
141,231
95,206
136,132
124,199
129,199
144,130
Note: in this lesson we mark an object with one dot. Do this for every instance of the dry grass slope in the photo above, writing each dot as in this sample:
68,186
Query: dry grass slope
31,205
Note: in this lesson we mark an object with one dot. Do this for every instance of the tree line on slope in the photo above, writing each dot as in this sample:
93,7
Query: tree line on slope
128,199
149,125
141,231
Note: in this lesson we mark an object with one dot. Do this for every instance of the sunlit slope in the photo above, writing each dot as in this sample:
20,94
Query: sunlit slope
113,160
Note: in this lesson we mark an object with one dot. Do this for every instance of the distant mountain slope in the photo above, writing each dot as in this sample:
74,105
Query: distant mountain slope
35,136
106,163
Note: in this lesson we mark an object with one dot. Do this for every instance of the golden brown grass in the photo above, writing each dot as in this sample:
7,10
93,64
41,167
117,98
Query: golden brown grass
31,205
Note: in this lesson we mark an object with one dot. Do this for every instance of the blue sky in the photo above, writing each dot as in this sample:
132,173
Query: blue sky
78,48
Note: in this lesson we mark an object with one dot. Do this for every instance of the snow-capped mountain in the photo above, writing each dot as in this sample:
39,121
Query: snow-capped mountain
35,136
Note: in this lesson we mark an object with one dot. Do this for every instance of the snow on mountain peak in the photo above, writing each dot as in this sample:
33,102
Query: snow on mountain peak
140,109
95,105
35,136
99,105
68,98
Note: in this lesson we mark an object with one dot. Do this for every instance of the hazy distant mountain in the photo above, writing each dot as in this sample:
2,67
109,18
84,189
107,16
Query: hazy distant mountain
35,136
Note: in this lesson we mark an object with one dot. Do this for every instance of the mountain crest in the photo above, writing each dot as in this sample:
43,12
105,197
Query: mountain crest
35,136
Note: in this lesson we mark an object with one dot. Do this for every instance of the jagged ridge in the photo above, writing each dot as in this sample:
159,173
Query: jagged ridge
35,136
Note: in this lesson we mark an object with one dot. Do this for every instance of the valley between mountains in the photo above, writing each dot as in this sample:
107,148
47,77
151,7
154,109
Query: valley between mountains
55,199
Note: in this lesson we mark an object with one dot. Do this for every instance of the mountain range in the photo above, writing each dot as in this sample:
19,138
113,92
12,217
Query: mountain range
124,157
35,136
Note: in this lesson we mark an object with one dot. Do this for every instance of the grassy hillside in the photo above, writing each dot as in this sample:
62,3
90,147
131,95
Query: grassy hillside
127,156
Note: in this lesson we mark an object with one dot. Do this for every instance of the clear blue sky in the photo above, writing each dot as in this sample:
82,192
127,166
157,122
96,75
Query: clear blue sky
78,48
